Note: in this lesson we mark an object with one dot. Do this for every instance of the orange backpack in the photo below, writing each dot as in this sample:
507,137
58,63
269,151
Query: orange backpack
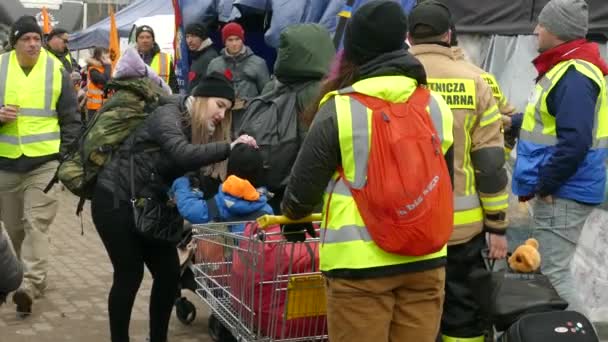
407,201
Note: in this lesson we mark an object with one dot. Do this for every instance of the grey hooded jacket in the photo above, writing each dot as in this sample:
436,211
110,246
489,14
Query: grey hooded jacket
11,269
249,72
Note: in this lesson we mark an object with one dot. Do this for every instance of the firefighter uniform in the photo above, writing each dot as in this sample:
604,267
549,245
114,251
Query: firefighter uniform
480,180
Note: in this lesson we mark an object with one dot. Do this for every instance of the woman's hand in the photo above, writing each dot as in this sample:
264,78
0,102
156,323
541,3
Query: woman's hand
244,139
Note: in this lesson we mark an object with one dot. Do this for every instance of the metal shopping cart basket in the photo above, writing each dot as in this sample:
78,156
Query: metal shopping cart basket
259,286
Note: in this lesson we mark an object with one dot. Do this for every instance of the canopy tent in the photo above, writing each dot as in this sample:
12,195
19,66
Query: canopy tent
98,34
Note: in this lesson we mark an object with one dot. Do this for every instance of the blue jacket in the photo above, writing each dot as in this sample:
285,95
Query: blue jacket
570,169
195,209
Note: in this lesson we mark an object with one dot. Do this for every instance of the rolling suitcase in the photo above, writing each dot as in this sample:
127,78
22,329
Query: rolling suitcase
555,326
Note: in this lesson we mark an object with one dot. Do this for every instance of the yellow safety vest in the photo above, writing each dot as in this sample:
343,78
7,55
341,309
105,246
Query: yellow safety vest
35,132
161,64
346,243
538,125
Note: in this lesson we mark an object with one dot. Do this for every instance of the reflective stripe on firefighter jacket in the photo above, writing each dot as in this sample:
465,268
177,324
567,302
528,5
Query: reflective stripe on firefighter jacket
94,93
161,64
478,141
346,242
538,136
35,132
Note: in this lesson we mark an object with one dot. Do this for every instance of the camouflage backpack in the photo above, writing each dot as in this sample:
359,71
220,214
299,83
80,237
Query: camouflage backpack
133,100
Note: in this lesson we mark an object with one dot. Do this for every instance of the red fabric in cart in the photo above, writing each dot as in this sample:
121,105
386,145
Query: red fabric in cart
268,303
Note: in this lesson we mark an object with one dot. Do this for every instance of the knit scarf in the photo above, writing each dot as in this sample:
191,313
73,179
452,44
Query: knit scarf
576,49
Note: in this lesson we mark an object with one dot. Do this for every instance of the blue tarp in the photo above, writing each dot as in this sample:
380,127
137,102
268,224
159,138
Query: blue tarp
284,12
98,34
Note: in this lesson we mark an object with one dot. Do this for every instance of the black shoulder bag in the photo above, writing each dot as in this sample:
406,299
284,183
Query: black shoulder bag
154,219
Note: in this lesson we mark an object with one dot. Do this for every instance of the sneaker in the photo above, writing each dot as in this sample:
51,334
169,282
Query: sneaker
24,300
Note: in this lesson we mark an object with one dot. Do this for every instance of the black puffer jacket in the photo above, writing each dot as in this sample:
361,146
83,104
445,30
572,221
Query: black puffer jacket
162,152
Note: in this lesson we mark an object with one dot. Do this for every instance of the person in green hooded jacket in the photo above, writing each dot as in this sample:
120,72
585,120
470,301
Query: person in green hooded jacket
303,59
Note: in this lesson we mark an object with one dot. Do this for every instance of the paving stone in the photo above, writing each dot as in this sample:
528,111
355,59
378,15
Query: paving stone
74,307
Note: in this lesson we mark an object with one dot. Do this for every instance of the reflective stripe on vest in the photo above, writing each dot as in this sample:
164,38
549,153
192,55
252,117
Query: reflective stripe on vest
161,65
346,242
35,132
539,125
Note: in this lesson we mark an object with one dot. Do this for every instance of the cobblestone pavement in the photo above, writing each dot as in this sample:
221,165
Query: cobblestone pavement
74,307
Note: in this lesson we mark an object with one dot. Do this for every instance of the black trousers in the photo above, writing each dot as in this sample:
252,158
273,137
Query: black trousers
461,316
129,253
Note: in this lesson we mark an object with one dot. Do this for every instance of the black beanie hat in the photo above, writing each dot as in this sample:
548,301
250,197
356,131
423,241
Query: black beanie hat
144,28
198,30
376,28
246,162
23,25
215,85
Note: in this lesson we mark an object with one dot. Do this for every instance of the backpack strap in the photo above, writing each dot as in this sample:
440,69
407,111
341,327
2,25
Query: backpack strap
420,96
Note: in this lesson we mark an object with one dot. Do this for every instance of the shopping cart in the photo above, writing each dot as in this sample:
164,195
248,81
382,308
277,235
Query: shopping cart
259,286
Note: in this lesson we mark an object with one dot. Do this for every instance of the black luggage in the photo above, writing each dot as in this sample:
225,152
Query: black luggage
555,326
505,296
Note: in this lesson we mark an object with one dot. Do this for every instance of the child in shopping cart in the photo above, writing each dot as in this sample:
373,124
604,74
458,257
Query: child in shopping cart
241,197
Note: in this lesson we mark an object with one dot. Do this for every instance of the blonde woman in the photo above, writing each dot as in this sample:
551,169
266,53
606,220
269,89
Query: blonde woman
182,135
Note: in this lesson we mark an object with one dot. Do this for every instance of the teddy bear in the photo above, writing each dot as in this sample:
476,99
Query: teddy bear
525,259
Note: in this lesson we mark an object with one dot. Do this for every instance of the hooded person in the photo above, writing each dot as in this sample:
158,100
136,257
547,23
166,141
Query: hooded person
160,62
241,197
562,140
303,60
404,292
201,53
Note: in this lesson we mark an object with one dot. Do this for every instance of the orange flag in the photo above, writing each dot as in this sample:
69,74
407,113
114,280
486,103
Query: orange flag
46,21
114,46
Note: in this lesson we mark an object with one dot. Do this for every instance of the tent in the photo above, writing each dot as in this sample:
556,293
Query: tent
98,34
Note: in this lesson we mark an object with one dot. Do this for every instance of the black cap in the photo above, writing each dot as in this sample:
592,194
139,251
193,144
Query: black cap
23,25
56,32
215,85
144,28
246,162
198,30
376,28
431,13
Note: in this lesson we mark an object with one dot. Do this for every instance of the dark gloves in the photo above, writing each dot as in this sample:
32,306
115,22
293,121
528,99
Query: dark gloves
295,232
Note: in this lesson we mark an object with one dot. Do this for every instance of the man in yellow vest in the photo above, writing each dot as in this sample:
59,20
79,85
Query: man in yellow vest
160,62
480,179
38,121
372,295
562,144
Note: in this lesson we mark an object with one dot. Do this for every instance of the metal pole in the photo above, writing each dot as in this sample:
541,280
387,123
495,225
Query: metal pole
85,10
